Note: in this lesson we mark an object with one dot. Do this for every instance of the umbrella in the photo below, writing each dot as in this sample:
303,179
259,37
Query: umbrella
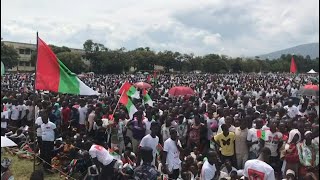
142,85
6,142
181,91
145,73
309,90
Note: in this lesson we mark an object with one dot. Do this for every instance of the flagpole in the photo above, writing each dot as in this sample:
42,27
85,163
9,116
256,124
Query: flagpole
117,103
34,99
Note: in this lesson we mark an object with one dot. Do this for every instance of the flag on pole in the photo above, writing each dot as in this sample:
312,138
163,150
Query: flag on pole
146,98
125,100
53,75
130,90
293,66
154,78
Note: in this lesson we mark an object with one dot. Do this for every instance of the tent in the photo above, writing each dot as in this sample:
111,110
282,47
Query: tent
311,72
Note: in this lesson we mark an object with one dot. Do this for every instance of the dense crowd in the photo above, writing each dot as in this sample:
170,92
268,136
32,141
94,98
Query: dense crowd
254,126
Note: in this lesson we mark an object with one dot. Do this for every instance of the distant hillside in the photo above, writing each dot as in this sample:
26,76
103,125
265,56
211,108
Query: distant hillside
311,49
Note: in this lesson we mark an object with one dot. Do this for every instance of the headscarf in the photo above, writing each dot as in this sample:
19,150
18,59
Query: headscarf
292,133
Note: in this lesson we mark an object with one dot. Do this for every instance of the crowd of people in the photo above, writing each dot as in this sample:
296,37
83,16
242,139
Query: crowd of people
235,126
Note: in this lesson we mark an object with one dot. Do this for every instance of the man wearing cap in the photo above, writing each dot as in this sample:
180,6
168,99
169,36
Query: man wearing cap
146,171
290,175
5,171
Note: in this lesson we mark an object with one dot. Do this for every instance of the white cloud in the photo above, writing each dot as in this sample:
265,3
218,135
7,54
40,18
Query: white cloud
246,27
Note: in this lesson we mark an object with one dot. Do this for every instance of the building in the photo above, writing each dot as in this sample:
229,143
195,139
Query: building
25,51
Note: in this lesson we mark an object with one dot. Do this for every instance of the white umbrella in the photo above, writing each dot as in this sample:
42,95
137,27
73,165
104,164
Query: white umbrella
6,142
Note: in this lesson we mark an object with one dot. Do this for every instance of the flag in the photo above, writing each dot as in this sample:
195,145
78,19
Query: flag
261,134
2,69
124,99
293,66
130,90
146,98
53,75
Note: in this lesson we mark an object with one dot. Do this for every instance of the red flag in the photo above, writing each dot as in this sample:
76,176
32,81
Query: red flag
293,66
125,87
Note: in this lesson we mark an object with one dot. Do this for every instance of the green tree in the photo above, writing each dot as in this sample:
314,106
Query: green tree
9,56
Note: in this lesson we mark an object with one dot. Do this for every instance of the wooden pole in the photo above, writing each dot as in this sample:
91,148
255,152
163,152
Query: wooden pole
34,123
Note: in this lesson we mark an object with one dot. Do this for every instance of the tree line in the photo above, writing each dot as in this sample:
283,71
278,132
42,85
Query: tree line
107,61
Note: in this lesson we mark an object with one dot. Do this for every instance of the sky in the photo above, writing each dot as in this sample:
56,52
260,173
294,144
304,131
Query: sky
233,28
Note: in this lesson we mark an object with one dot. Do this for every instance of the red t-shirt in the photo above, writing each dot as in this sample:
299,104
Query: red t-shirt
66,113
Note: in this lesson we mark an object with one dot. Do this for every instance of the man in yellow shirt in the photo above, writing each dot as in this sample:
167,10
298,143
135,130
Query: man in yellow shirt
225,142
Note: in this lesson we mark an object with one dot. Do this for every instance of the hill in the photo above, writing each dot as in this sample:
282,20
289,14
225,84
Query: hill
311,49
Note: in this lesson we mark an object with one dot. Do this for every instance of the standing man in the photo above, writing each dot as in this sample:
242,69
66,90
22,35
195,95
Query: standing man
259,168
208,171
241,148
151,140
82,116
48,130
171,162
146,171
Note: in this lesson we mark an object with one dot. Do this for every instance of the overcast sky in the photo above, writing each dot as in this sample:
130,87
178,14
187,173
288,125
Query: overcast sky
230,27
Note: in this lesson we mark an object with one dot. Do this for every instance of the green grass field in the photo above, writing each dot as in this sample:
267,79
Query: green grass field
23,168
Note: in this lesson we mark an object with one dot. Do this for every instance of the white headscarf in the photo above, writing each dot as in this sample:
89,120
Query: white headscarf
292,133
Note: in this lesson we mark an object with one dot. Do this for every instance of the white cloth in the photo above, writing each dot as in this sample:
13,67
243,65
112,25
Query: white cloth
14,113
148,125
82,114
208,171
39,122
99,152
173,154
4,115
272,141
149,141
23,109
47,131
256,169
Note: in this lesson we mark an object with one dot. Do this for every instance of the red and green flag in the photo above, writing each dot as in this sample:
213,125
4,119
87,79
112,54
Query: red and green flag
130,90
261,134
146,98
53,75
125,100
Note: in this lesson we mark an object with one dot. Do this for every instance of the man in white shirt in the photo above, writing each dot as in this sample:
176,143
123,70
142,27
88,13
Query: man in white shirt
151,140
253,139
48,130
259,168
292,110
102,159
15,114
171,155
82,115
4,120
208,171
147,121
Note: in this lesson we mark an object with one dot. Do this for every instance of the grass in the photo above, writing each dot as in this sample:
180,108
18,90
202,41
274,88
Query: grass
23,168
